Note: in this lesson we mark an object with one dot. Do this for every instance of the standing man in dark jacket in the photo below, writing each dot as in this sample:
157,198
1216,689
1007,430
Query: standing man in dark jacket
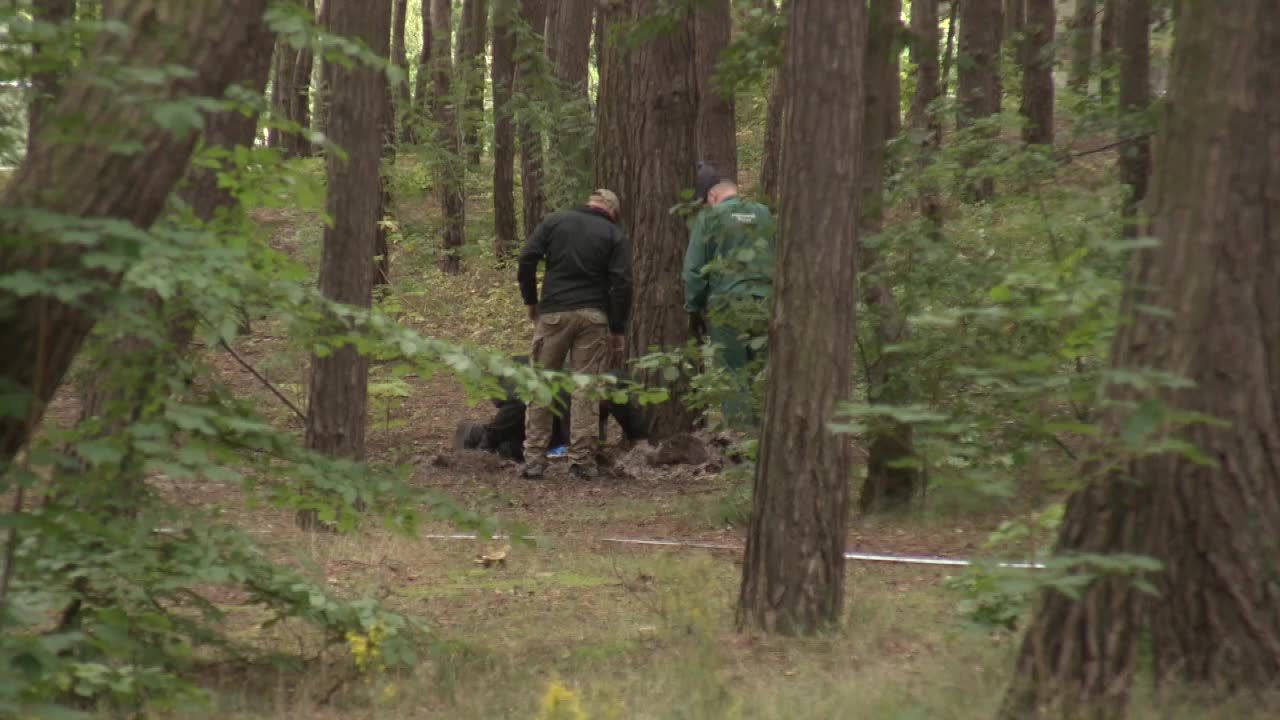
581,318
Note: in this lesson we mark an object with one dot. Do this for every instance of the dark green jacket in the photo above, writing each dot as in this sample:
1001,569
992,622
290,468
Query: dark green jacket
731,250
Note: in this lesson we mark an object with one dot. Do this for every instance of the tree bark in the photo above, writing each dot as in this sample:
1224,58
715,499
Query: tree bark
613,108
1107,47
1214,527
888,487
793,572
422,79
533,13
453,170
281,78
338,396
504,76
46,83
717,128
569,44
568,47
948,55
773,130
978,81
1082,25
1015,18
1134,36
400,56
298,101
473,39
923,119
90,181
1037,72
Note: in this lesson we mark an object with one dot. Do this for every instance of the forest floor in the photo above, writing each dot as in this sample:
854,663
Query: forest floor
629,631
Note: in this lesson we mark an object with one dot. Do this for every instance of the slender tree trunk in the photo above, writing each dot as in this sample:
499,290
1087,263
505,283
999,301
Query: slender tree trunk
1015,18
773,131
888,487
924,55
893,105
717,129
1082,25
661,144
299,65
473,39
46,83
400,56
1134,34
453,170
1037,72
504,138
338,395
568,46
1107,47
949,54
323,77
1214,527
87,181
793,573
533,13
422,79
978,81
281,79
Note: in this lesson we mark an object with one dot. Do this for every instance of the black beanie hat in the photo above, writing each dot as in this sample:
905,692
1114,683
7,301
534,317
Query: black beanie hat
707,178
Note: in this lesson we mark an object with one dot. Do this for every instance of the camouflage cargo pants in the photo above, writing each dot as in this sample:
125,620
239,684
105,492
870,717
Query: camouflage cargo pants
576,340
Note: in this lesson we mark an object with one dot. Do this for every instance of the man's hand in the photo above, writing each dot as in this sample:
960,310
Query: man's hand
697,326
533,313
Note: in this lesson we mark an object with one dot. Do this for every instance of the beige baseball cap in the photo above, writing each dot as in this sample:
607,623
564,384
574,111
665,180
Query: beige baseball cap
607,198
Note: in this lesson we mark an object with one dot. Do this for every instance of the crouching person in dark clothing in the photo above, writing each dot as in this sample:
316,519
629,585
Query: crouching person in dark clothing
504,434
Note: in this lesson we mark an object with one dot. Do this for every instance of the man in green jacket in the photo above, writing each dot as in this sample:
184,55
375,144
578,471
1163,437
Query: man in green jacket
728,278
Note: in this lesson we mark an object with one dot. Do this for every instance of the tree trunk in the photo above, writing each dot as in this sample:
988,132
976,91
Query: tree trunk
893,105
473,39
717,129
888,487
614,109
400,56
1015,18
281,80
793,572
323,77
1107,47
924,55
76,180
568,49
949,54
1216,210
422,79
773,131
1134,36
504,140
1082,24
1214,527
569,44
453,171
533,13
661,156
338,396
46,83
978,82
298,101
1037,72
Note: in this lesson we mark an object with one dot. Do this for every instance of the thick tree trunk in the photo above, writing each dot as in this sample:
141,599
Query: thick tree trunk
978,81
473,39
1215,201
505,238
1214,527
568,47
338,396
793,572
614,109
924,55
1037,72
1134,37
453,171
46,83
1081,28
1107,46
717,129
400,56
77,180
569,44
533,13
888,486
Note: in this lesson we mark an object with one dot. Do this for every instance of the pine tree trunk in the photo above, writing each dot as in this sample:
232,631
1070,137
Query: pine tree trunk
569,52
45,84
298,102
893,105
1037,72
400,56
888,488
1082,25
978,80
1107,46
453,171
769,166
1015,18
614,109
473,39
569,44
1133,28
661,145
505,238
924,55
422,77
949,53
281,79
1214,527
717,128
320,115
1215,205
338,396
793,572
533,13
44,333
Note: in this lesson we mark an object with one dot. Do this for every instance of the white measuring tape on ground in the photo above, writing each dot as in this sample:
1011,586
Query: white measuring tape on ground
860,556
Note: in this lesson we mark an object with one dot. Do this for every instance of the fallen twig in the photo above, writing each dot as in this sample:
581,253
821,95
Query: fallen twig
267,383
